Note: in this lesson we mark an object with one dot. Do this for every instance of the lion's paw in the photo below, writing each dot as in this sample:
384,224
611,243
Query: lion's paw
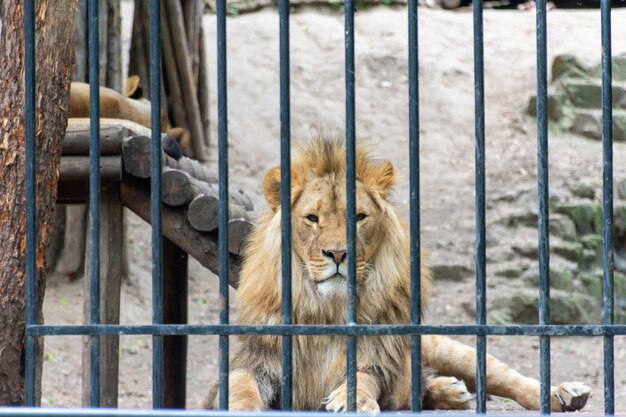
337,402
571,396
447,393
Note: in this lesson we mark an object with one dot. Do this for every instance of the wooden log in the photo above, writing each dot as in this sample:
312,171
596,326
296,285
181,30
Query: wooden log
203,88
80,43
111,236
176,101
103,25
114,46
140,50
203,212
192,13
76,140
76,168
238,232
203,247
175,279
137,157
185,72
180,188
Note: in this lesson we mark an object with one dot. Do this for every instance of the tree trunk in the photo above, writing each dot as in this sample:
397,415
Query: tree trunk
54,61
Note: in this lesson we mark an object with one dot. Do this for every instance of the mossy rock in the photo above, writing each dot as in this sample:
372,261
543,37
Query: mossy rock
565,308
619,218
509,272
562,226
560,278
572,251
592,242
592,283
570,66
582,190
558,106
586,215
586,94
588,123
619,69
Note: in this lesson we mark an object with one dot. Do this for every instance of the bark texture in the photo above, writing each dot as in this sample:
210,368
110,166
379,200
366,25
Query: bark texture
54,60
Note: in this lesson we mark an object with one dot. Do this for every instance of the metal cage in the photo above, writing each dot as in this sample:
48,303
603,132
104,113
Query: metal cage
351,329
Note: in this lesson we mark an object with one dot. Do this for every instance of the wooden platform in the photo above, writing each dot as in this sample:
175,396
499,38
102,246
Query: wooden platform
125,182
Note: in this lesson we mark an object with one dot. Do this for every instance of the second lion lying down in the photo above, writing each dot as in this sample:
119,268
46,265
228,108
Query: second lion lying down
318,204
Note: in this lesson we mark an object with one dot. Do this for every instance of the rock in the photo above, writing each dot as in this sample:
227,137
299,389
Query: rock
619,218
619,69
509,272
560,278
451,271
586,215
587,94
565,308
588,122
592,242
572,251
556,106
570,66
582,190
527,250
562,226
620,189
522,218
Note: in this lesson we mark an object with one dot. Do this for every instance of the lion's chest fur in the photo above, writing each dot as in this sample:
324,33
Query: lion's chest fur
319,368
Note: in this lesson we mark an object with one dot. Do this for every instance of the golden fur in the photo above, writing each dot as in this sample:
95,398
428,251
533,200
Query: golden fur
319,297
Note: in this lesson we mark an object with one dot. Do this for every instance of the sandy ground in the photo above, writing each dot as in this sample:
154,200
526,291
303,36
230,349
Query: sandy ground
447,165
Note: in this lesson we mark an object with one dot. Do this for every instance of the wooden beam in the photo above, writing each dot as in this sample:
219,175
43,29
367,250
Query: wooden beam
76,140
111,236
203,247
76,168
175,279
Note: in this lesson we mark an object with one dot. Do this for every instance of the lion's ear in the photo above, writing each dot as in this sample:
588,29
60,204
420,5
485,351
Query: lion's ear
381,178
271,187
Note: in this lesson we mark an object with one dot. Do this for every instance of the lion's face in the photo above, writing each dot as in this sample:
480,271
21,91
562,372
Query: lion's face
318,191
319,228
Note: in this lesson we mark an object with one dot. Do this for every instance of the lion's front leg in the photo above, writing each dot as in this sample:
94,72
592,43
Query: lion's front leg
367,394
449,357
244,393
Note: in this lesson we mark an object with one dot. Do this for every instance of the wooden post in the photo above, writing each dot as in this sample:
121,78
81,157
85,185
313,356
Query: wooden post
175,280
111,236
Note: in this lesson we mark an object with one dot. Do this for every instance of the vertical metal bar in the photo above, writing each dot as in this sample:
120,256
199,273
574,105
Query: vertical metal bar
94,195
222,130
155,201
350,200
414,180
479,121
607,204
285,203
544,243
31,193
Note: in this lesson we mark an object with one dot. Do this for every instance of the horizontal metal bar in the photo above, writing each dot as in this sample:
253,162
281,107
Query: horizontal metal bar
331,330
111,412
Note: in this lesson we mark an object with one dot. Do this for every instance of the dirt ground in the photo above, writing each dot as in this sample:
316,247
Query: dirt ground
447,166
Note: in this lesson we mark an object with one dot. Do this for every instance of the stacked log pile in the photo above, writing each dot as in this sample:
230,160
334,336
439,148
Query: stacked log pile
189,188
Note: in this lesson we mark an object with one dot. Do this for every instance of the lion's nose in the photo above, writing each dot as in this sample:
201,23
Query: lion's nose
336,255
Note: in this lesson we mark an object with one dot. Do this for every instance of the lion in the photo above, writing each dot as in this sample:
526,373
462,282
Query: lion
319,271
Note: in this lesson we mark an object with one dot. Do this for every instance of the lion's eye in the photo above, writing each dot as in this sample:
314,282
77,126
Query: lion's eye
360,216
312,218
